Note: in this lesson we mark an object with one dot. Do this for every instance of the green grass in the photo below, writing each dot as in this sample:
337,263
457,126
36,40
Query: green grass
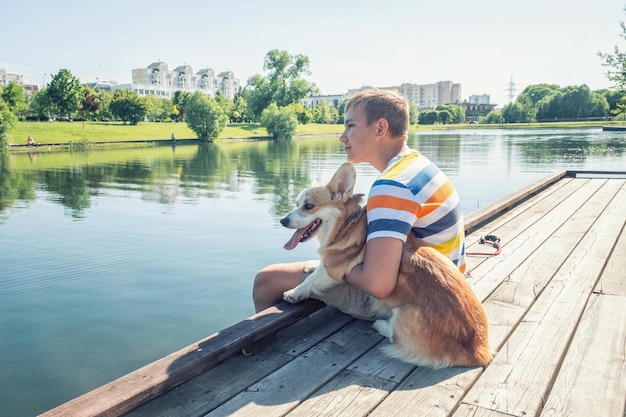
66,132
90,132
77,132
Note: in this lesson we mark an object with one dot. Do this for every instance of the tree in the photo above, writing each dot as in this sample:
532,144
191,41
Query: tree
7,123
180,103
258,95
128,106
444,116
41,104
280,122
324,113
457,113
612,97
283,84
413,114
14,97
428,117
205,116
158,109
493,117
616,63
240,109
104,98
90,103
284,75
65,92
303,114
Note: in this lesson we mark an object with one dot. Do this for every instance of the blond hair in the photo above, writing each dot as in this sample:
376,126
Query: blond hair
383,104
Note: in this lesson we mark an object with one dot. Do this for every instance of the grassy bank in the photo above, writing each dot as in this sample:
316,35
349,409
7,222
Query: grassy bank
66,132
76,132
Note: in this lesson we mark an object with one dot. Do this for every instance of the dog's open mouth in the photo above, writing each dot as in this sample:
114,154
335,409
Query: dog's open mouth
302,235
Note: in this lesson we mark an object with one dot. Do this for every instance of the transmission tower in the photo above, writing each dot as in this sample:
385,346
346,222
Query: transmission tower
510,91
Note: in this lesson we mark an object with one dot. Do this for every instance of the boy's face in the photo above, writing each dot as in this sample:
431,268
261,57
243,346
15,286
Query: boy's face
358,137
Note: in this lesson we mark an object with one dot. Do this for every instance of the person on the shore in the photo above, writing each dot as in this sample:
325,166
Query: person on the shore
412,195
30,141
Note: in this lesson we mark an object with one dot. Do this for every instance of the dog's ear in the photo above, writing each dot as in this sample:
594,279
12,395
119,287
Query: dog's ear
342,183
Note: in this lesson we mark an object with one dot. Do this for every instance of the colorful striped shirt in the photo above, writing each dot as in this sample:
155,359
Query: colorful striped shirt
414,195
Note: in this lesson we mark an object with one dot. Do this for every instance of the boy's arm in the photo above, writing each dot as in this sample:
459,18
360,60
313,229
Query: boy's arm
378,274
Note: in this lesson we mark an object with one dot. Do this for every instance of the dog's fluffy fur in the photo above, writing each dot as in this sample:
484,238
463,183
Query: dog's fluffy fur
431,318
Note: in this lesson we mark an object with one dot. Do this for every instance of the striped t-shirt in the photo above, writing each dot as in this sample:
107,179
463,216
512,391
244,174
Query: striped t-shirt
413,194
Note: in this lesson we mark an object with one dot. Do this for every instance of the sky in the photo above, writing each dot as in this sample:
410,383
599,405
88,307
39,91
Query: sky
487,46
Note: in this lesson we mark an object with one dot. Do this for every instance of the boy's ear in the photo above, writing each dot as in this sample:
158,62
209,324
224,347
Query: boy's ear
382,126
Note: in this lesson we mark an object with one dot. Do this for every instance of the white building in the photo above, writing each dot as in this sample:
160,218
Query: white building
332,100
6,79
158,80
480,99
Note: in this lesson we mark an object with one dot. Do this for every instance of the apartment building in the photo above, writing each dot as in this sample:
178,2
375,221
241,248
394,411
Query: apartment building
158,80
313,101
6,79
429,96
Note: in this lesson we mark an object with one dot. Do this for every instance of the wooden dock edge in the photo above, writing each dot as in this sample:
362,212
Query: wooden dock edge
154,379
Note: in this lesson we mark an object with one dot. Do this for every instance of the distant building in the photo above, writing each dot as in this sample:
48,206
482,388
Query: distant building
158,80
480,99
6,79
429,96
332,100
473,111
424,96
103,85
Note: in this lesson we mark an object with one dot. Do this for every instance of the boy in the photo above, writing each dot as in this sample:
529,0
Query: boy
411,195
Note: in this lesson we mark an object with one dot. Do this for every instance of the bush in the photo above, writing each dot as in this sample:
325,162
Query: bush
7,123
205,116
280,122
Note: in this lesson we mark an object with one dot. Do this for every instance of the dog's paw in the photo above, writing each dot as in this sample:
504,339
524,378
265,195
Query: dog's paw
292,296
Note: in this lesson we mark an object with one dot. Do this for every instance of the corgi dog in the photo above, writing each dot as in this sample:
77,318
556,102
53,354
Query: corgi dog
432,317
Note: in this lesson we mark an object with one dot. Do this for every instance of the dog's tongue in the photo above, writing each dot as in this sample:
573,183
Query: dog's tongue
295,239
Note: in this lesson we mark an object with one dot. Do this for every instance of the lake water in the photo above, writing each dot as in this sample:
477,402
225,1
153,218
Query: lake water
111,259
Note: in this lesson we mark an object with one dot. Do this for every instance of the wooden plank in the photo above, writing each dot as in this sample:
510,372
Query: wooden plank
525,238
428,392
507,304
592,379
475,411
358,389
508,225
284,389
518,379
127,392
612,280
216,386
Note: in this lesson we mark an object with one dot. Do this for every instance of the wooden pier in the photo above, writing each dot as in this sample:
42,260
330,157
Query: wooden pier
556,301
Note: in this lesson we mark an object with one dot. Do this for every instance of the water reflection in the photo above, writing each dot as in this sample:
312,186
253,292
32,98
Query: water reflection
278,169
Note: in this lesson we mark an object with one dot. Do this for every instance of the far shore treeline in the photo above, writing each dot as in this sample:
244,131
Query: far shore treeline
66,112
